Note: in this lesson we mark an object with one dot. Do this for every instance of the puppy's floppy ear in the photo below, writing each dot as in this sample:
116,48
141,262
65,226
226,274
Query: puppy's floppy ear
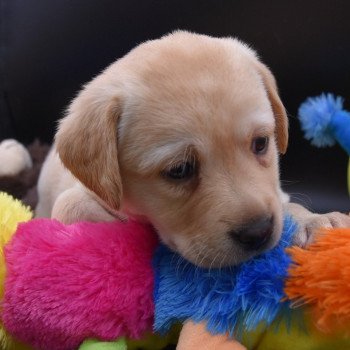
86,142
277,107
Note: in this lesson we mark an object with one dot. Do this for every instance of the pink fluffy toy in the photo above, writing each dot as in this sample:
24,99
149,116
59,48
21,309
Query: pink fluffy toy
79,281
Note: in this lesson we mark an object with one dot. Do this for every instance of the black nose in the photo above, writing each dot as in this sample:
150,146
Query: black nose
254,234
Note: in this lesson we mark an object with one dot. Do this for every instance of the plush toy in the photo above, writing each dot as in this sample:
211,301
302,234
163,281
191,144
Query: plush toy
325,122
320,275
257,301
20,167
12,212
14,158
66,284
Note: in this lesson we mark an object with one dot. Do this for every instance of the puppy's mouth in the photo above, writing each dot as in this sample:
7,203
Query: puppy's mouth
230,248
169,242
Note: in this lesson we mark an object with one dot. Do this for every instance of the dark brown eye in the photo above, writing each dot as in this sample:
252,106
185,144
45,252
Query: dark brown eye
260,145
182,171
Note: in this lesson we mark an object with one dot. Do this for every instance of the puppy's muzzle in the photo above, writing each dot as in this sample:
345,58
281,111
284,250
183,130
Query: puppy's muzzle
255,234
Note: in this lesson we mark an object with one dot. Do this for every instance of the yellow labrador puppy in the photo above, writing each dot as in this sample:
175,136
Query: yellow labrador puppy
183,132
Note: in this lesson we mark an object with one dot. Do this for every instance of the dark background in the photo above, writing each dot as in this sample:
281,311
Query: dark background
50,48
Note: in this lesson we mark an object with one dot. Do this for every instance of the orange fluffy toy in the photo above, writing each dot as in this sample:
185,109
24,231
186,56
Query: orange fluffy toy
320,277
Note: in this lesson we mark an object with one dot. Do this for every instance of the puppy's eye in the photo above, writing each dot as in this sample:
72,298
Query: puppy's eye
182,171
260,145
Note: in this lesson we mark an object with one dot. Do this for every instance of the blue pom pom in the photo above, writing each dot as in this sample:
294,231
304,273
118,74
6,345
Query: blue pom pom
229,299
316,115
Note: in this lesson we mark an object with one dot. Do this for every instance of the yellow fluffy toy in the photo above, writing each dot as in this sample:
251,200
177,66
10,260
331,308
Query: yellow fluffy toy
12,212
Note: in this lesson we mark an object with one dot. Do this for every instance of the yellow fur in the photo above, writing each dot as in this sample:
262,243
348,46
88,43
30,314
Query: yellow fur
12,212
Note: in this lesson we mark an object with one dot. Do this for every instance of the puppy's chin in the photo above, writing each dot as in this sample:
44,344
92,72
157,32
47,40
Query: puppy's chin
232,255
216,253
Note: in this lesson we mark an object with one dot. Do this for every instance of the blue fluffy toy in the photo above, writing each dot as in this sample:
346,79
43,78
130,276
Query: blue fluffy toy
229,299
325,122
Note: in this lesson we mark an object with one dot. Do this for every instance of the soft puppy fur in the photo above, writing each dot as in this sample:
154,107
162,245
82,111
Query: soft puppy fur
183,132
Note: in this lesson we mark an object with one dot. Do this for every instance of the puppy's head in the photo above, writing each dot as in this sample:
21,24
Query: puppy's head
184,132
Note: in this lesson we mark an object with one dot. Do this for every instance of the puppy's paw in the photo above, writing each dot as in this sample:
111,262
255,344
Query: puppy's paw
76,204
309,226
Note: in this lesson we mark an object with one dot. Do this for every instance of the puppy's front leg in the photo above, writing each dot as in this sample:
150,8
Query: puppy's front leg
77,204
309,223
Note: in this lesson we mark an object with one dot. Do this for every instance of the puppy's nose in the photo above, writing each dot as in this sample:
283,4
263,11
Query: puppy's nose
254,234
